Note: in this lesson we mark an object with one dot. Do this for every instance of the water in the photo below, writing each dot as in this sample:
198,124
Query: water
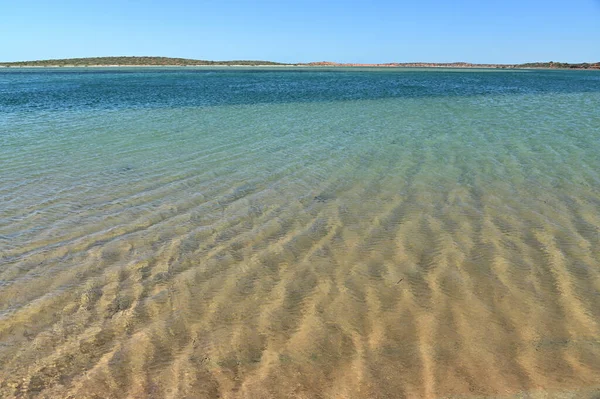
299,233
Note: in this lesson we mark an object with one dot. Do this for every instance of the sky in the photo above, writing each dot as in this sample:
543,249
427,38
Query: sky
375,31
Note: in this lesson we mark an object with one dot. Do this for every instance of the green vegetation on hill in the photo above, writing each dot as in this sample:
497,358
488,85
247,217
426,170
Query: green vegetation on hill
132,61
562,65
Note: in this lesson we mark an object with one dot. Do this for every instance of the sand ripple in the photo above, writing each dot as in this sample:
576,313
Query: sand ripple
339,268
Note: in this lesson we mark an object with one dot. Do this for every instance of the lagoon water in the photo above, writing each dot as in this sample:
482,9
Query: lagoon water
299,233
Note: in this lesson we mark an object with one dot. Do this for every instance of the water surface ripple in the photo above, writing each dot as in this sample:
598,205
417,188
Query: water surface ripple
307,233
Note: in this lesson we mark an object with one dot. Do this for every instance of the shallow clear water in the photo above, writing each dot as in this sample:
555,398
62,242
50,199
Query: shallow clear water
299,233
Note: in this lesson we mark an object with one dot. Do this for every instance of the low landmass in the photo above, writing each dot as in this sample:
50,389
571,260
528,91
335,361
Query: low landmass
130,61
168,61
544,65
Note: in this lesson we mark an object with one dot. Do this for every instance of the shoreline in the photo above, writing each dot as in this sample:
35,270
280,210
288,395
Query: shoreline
171,62
357,66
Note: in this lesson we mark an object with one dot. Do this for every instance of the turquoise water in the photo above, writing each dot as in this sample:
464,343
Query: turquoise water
271,232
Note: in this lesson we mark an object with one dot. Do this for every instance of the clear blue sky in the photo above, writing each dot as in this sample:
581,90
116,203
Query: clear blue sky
496,31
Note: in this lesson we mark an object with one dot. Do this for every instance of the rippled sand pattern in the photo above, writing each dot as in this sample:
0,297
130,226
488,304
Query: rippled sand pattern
357,249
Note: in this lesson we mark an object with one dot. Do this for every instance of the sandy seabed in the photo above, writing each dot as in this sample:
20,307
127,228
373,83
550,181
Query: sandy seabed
448,294
347,264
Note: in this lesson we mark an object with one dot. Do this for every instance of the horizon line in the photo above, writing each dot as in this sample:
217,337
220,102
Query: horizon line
290,63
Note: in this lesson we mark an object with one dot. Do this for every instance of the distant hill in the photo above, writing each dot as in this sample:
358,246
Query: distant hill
132,61
540,65
561,65
167,61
